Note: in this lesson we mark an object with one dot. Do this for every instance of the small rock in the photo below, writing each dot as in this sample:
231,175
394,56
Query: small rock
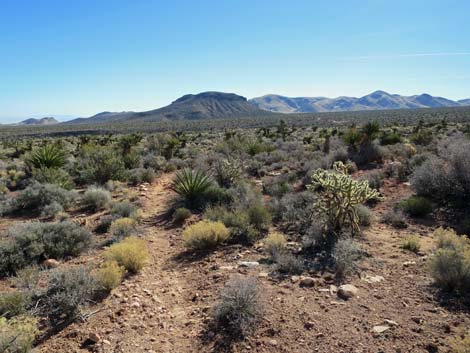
307,282
248,264
51,263
409,263
380,329
106,342
295,279
309,325
347,291
263,275
391,322
94,337
373,279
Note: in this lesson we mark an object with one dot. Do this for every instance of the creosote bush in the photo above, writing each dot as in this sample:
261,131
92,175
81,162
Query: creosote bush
205,235
239,309
131,253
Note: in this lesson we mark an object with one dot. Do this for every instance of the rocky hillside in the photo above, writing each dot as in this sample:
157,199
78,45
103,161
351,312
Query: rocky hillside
377,100
206,105
43,121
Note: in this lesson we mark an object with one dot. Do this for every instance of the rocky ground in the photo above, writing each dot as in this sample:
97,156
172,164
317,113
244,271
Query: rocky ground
390,306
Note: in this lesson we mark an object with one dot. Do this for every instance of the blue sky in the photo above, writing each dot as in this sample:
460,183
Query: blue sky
77,58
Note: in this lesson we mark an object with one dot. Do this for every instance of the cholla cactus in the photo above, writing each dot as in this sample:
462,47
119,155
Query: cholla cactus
227,171
340,194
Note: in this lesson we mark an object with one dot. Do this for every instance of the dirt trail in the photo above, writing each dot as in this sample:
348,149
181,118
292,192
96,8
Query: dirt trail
149,312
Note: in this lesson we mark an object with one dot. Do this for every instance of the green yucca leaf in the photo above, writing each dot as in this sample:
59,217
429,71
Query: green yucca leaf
191,185
47,156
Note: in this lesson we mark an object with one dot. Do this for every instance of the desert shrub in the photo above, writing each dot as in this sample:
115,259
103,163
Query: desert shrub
395,218
461,344
124,209
450,265
51,210
66,292
181,215
275,243
18,334
141,175
227,171
375,179
96,198
238,222
36,196
47,156
390,138
31,243
131,253
122,228
294,211
54,176
345,254
411,243
422,137
98,164
340,194
460,171
259,217
416,206
191,185
132,160
431,179
365,215
205,235
104,223
287,263
110,275
13,304
239,309
27,279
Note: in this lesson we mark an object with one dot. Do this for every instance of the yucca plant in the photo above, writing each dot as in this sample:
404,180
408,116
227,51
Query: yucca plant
191,185
47,156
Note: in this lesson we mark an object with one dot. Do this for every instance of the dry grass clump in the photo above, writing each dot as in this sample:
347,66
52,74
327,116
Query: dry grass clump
205,235
131,253
110,275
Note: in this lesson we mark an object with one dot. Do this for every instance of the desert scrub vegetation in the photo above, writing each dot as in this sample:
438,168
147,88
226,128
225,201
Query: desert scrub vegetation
96,198
416,206
34,242
450,265
180,215
239,309
18,334
131,253
109,275
122,228
339,196
192,186
275,243
205,235
411,243
36,197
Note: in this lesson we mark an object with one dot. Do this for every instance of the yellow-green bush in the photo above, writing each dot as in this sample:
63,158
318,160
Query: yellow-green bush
450,266
110,275
411,243
122,228
131,253
205,235
18,334
13,303
461,345
275,243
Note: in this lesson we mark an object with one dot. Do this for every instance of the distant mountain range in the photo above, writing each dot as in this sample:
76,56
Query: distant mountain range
42,121
377,100
206,105
219,105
